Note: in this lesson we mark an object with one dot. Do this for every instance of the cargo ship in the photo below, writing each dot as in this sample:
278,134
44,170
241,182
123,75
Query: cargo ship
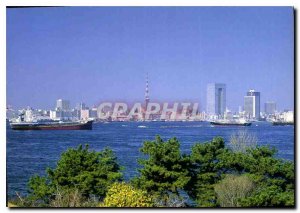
282,123
240,122
52,125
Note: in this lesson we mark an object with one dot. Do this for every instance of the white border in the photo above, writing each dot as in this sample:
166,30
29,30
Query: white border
4,3
148,3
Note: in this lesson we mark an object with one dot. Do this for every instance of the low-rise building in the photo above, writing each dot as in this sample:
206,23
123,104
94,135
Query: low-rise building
288,116
84,114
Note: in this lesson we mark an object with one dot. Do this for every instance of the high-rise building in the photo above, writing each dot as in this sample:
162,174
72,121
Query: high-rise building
62,105
270,108
252,104
80,106
216,99
240,109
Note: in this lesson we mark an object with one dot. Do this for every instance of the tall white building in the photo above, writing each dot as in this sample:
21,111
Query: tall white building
216,99
252,104
62,105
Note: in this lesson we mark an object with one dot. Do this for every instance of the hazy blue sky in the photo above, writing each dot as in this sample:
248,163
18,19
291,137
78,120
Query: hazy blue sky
92,54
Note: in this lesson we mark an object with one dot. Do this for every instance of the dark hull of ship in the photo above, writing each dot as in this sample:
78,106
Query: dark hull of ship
56,126
279,123
230,124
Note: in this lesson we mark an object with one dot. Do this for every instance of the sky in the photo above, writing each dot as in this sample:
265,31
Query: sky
94,54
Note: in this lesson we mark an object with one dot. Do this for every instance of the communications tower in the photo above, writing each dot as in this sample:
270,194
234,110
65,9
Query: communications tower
147,99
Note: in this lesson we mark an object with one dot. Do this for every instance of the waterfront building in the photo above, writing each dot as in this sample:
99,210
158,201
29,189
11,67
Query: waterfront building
228,114
76,113
63,105
240,109
287,116
53,114
93,113
28,115
11,113
252,104
216,99
84,114
63,111
270,108
43,112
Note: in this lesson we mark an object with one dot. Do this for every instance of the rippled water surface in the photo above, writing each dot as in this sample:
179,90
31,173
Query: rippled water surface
31,152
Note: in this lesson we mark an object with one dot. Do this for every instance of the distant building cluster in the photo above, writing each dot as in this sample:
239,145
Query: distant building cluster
216,108
62,111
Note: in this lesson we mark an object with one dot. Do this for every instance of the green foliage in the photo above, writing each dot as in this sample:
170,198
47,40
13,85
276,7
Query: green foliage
88,171
165,169
212,175
273,177
39,189
232,189
125,195
204,171
266,196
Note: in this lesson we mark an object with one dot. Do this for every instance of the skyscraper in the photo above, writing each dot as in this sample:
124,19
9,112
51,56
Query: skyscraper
270,108
252,104
62,105
216,99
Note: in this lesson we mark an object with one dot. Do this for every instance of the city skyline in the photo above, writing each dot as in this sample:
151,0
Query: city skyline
96,54
216,104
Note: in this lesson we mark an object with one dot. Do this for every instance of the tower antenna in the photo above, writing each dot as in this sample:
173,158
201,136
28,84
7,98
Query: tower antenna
147,98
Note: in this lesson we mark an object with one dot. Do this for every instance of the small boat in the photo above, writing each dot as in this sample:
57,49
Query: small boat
52,125
240,122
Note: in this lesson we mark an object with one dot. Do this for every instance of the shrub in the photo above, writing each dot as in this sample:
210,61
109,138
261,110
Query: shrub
71,198
242,140
11,205
125,195
90,172
212,175
165,170
232,189
204,171
273,177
